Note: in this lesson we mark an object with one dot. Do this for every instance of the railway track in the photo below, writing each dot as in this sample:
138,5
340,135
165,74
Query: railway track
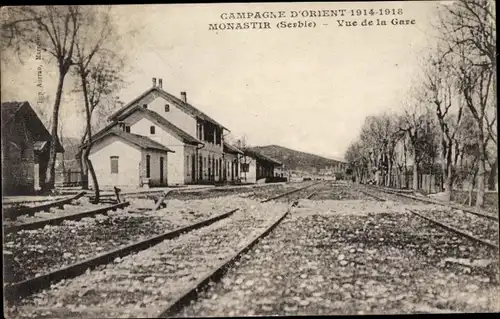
190,294
14,212
430,201
336,191
59,220
487,225
17,290
188,193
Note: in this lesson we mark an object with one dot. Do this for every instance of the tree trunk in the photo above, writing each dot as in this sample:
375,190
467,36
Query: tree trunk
444,165
448,183
62,162
473,183
83,171
81,162
415,176
407,181
88,163
448,173
481,171
493,175
50,172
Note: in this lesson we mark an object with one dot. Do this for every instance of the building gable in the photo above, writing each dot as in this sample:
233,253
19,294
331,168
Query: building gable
22,111
137,113
155,92
109,139
173,113
140,124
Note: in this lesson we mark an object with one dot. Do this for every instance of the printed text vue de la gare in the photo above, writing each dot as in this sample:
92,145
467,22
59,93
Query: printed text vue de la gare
309,19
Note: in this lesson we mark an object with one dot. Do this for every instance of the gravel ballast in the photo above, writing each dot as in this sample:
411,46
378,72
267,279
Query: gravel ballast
36,252
140,285
339,253
355,258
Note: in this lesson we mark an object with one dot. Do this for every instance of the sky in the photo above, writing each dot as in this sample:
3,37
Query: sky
307,89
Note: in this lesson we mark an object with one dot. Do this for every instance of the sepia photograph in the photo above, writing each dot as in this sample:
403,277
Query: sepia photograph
249,159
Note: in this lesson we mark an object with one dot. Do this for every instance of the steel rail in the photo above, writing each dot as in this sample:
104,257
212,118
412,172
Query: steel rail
13,212
60,220
312,194
26,287
468,235
430,201
218,272
447,227
288,193
181,190
380,199
132,194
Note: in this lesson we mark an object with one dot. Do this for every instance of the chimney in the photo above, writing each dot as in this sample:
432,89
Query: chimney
160,83
154,82
184,97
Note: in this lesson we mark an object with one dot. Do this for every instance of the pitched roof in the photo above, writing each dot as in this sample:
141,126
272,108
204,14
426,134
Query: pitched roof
23,109
9,110
139,140
228,148
186,107
255,154
185,136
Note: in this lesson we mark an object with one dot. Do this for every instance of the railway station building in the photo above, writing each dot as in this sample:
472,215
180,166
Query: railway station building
232,156
197,153
25,149
122,159
257,167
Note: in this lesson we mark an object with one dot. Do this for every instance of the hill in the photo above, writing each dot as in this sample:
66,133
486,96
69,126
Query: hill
296,160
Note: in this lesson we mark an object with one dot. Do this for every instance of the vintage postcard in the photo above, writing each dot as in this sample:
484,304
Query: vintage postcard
249,159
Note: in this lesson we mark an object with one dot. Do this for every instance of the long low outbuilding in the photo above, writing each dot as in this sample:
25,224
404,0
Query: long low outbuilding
257,167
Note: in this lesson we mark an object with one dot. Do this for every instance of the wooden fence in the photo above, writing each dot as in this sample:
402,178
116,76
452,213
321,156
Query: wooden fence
68,178
426,182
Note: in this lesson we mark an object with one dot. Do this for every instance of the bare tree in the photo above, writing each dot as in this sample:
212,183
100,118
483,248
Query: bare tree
357,158
413,122
440,91
98,69
469,30
52,29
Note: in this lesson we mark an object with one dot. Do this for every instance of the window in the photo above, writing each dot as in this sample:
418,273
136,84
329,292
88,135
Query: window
167,108
148,166
145,106
245,167
114,164
152,130
127,129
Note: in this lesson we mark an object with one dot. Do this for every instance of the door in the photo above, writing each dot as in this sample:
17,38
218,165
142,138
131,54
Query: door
37,177
200,165
161,170
232,171
213,169
193,168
